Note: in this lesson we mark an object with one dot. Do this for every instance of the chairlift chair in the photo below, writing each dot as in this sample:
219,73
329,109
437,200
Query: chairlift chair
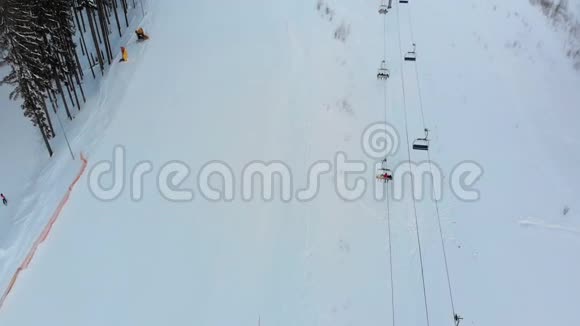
411,55
384,169
384,165
383,9
383,73
403,1
381,174
422,144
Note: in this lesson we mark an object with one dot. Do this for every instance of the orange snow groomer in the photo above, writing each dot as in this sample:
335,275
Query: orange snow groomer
141,36
125,57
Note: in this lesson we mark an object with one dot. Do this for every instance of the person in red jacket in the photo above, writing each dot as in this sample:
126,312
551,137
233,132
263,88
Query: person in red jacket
385,176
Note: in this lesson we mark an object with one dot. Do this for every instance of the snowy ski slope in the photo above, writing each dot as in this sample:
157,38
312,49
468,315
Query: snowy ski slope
258,80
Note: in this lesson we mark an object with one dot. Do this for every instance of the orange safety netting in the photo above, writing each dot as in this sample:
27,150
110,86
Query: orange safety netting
45,232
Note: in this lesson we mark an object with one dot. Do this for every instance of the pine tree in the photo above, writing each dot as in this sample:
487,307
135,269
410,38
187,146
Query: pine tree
90,6
21,49
37,40
57,30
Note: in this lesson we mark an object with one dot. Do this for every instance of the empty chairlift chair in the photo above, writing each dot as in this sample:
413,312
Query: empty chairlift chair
411,55
383,73
422,144
384,165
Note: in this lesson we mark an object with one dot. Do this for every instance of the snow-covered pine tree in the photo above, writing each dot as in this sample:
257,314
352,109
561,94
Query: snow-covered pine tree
34,105
99,14
21,49
103,20
90,6
65,12
45,26
56,27
37,41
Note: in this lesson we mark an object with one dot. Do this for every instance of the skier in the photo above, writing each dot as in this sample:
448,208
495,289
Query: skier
385,173
141,36
4,200
385,176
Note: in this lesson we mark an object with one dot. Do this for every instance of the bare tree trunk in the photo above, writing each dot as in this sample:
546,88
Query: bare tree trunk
94,20
67,86
48,119
83,45
106,13
104,29
73,63
43,132
77,73
115,10
52,101
91,65
92,25
74,89
78,68
81,89
61,91
83,20
124,3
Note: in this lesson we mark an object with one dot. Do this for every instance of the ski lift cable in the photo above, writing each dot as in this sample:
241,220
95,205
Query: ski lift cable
420,95
436,201
389,225
390,257
411,23
442,243
385,39
409,156
385,59
410,17
385,103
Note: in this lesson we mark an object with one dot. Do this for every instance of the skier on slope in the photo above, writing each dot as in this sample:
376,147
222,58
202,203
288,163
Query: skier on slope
4,200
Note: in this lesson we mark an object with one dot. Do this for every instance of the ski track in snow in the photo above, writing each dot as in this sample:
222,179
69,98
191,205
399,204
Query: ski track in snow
530,222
